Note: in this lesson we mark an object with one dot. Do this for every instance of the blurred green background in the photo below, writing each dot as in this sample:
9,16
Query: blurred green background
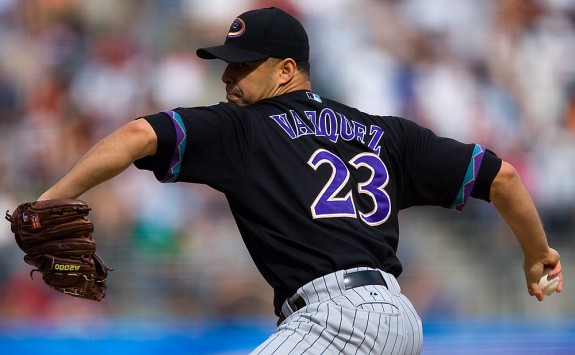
495,72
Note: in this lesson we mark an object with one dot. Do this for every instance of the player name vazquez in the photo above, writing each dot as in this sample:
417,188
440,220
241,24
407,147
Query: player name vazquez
329,124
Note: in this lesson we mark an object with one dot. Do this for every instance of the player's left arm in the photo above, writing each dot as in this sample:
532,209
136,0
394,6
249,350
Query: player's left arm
513,201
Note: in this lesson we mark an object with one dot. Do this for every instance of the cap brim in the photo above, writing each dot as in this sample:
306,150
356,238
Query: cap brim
230,54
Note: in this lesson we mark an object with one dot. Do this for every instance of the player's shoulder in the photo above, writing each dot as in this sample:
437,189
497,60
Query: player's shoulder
219,109
377,118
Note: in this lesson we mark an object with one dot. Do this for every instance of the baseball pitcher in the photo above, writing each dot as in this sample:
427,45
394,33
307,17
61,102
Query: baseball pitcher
315,187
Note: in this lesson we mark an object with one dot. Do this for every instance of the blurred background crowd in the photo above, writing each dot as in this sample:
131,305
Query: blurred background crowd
495,72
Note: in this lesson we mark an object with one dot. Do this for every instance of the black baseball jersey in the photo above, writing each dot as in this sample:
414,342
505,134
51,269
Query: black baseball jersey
315,186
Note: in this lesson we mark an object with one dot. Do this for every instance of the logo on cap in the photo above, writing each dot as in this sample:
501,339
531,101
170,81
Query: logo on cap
237,28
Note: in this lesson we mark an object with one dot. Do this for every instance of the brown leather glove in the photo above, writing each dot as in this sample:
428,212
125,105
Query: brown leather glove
56,236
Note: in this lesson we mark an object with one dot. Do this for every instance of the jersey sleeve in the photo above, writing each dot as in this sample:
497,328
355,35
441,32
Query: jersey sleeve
482,169
490,166
161,163
442,171
202,145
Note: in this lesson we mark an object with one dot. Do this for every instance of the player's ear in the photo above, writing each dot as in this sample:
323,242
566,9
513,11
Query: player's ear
288,69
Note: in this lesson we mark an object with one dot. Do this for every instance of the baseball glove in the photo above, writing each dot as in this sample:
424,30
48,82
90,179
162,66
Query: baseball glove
56,236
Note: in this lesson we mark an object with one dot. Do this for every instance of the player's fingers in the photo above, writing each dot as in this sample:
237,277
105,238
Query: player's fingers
535,291
560,286
556,271
533,273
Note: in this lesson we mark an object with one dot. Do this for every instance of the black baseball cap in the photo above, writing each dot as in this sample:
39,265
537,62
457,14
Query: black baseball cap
260,34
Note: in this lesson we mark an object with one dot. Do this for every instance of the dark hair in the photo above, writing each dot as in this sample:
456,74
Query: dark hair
302,66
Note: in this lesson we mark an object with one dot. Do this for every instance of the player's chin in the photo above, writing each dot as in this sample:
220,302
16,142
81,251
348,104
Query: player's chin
232,99
236,99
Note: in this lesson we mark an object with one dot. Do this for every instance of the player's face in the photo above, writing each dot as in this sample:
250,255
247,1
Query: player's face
247,83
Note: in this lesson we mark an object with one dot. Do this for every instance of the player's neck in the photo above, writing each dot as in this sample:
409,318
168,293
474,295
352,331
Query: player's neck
299,83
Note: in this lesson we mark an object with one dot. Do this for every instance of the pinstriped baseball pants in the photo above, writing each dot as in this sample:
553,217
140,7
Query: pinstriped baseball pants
372,319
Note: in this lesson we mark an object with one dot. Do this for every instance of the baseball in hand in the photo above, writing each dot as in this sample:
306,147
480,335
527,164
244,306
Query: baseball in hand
548,284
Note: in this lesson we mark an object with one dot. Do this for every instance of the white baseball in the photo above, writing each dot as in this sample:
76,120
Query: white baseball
548,284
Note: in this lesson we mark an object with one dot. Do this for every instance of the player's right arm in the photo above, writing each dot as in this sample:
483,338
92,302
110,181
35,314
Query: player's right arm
514,203
108,158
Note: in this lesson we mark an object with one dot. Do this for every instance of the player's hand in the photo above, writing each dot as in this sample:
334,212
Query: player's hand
535,269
